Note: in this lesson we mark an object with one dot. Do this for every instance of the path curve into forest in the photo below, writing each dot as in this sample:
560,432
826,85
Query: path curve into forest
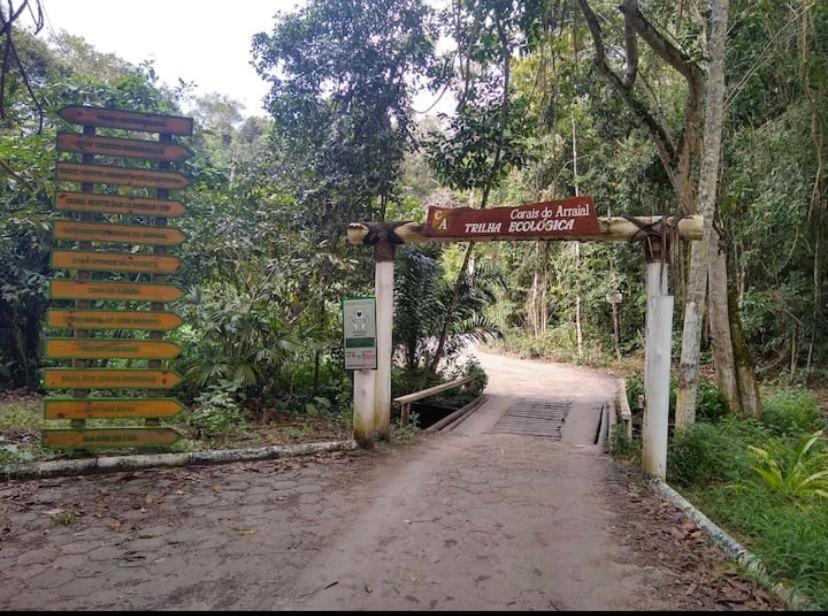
470,519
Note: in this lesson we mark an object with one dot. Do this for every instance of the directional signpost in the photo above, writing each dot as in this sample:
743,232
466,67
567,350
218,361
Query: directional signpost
125,234
111,408
117,204
112,319
80,238
109,438
114,261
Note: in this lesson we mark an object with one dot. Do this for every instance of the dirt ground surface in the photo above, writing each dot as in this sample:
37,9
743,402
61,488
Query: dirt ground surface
469,519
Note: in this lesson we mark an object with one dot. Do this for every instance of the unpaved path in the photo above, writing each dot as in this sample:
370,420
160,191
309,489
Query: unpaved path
468,520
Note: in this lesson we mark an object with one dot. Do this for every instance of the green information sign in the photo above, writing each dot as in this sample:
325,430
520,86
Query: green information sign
359,323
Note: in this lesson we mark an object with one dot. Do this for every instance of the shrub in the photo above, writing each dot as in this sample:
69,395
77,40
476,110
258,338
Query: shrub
799,472
791,412
623,448
704,453
217,413
710,404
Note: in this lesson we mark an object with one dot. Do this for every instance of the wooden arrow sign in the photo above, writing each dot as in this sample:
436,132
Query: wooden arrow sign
112,319
129,148
103,348
108,378
116,204
124,234
125,176
101,289
129,120
114,262
100,438
110,408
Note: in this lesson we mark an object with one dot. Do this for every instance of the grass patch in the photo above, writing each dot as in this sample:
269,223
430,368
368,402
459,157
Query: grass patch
787,529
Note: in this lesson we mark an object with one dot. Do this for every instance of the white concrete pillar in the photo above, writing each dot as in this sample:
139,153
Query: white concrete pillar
659,327
384,288
364,408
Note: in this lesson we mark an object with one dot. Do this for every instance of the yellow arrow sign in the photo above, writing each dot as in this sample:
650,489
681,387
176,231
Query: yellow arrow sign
125,176
115,204
114,262
100,438
129,120
102,348
71,378
101,289
129,148
110,408
112,319
126,234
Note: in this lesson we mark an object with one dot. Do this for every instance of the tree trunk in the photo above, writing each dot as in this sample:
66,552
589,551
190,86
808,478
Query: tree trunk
720,328
708,182
745,370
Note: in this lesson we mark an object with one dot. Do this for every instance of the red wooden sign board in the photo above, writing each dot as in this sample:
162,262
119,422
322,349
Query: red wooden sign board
575,216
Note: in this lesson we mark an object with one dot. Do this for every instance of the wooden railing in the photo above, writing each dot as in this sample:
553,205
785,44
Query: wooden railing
624,409
406,400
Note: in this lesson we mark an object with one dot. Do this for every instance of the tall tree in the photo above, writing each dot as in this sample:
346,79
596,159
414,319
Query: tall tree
342,76
679,160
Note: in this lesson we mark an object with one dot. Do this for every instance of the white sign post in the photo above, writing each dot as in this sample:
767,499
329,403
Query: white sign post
359,325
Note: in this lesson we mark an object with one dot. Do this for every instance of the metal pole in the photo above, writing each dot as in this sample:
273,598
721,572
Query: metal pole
659,325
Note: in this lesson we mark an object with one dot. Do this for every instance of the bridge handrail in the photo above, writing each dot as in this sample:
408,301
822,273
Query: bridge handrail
406,400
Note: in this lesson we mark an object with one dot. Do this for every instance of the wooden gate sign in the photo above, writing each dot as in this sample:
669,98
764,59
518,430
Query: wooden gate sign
129,120
549,219
127,148
102,289
124,234
104,348
110,408
125,176
114,262
116,204
109,378
101,438
112,319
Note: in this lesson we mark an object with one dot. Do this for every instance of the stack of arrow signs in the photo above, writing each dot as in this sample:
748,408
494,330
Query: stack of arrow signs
116,280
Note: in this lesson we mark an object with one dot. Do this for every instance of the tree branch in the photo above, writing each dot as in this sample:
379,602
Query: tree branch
630,46
665,147
668,52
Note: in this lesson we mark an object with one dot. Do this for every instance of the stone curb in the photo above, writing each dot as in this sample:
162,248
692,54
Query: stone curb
115,464
792,598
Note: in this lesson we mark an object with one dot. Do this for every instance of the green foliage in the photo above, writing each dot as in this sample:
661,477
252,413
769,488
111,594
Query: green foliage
405,435
710,403
623,448
791,541
217,412
342,76
422,296
702,454
799,474
790,412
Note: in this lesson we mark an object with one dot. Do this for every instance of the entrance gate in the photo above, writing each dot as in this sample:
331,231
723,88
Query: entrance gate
569,219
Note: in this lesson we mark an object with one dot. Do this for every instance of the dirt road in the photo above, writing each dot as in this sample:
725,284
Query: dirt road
470,519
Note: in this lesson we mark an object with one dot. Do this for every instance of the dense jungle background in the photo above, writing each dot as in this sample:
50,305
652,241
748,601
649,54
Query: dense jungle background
553,98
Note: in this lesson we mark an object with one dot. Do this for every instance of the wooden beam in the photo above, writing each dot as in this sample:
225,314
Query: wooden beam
614,229
425,393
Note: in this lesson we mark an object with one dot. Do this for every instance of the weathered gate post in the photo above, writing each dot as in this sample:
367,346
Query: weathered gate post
658,343
372,388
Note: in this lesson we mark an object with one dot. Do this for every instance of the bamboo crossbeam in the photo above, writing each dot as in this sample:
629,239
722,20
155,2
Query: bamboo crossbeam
615,229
